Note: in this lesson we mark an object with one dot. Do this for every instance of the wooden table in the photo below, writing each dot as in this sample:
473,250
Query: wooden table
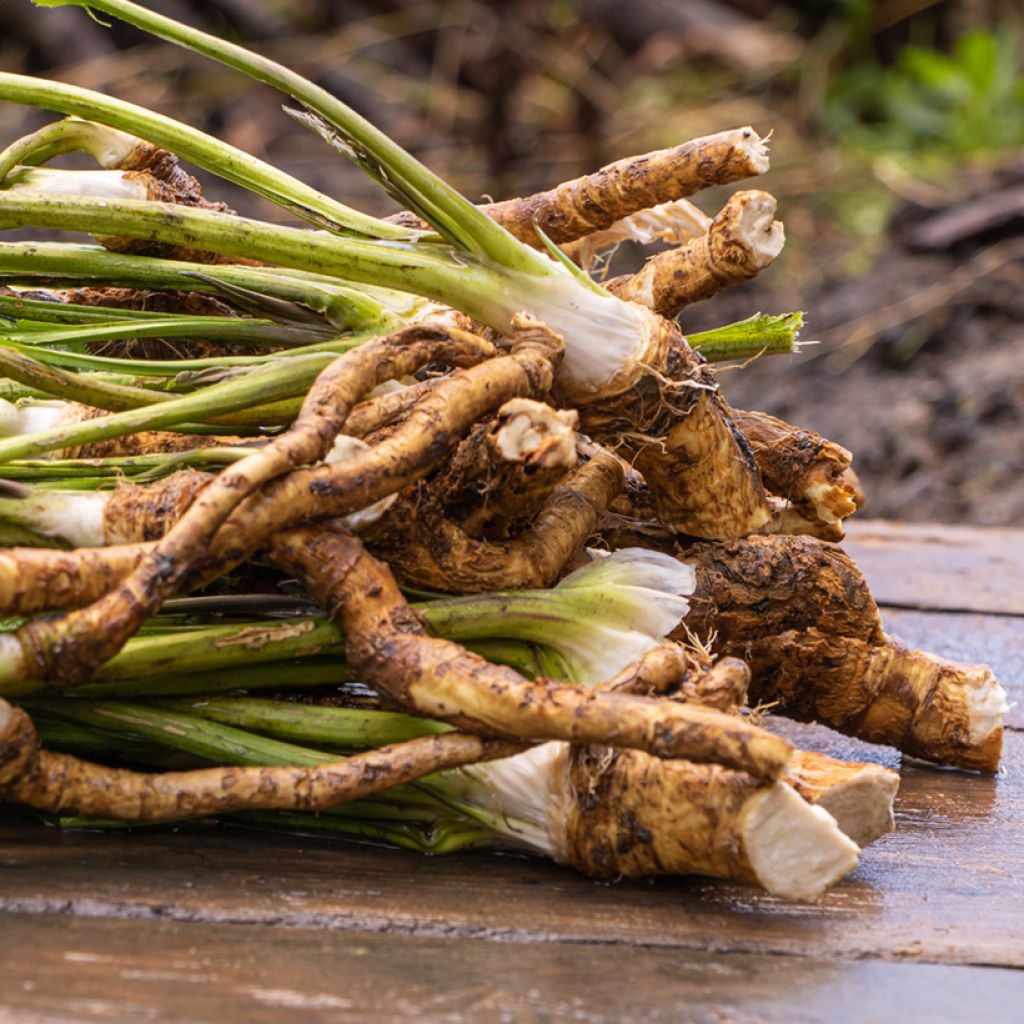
250,927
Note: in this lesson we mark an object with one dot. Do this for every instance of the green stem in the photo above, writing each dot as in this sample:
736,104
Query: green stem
206,151
135,467
343,308
441,838
307,672
429,196
223,744
232,330
344,728
757,335
285,379
73,387
430,271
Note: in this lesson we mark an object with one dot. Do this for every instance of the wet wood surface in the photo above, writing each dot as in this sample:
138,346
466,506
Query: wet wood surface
237,925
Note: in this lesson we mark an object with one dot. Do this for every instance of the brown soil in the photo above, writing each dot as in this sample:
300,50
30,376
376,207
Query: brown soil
931,406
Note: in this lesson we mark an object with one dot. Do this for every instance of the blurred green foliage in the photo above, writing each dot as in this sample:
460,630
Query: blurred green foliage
933,106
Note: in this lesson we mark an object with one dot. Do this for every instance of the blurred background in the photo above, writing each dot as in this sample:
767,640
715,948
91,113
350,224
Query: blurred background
897,159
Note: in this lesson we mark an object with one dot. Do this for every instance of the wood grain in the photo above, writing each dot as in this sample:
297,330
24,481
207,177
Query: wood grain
939,567
211,924
53,969
947,886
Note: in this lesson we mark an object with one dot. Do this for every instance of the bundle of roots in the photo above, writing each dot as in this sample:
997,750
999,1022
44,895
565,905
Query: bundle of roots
476,521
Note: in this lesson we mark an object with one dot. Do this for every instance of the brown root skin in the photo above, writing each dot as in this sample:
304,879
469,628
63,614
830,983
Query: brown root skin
762,586
859,795
150,442
387,647
141,512
69,647
686,674
741,241
594,202
667,415
632,816
500,476
802,467
427,549
41,579
883,693
60,783
702,476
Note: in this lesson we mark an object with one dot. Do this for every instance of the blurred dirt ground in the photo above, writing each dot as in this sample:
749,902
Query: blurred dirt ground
919,366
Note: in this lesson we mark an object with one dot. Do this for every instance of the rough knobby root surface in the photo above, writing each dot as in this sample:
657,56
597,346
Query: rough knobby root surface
60,783
924,705
427,549
388,649
666,414
596,201
740,242
762,586
631,815
802,467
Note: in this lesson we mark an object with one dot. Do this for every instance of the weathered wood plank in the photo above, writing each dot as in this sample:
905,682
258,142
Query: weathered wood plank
938,567
948,886
53,969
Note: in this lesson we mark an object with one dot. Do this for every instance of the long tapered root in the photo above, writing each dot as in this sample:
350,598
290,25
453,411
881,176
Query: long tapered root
859,795
428,549
802,467
60,783
926,706
595,202
387,646
740,242
71,646
630,815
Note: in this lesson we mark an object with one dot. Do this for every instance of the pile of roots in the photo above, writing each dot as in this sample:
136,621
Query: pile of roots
414,522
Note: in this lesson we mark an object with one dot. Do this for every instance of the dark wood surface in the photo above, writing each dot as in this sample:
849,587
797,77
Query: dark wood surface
236,925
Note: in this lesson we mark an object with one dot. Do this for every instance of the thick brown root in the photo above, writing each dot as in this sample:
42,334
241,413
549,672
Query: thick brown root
665,411
857,794
60,783
501,475
41,579
926,706
594,202
741,241
801,466
388,648
702,476
630,815
762,586
427,549
71,646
